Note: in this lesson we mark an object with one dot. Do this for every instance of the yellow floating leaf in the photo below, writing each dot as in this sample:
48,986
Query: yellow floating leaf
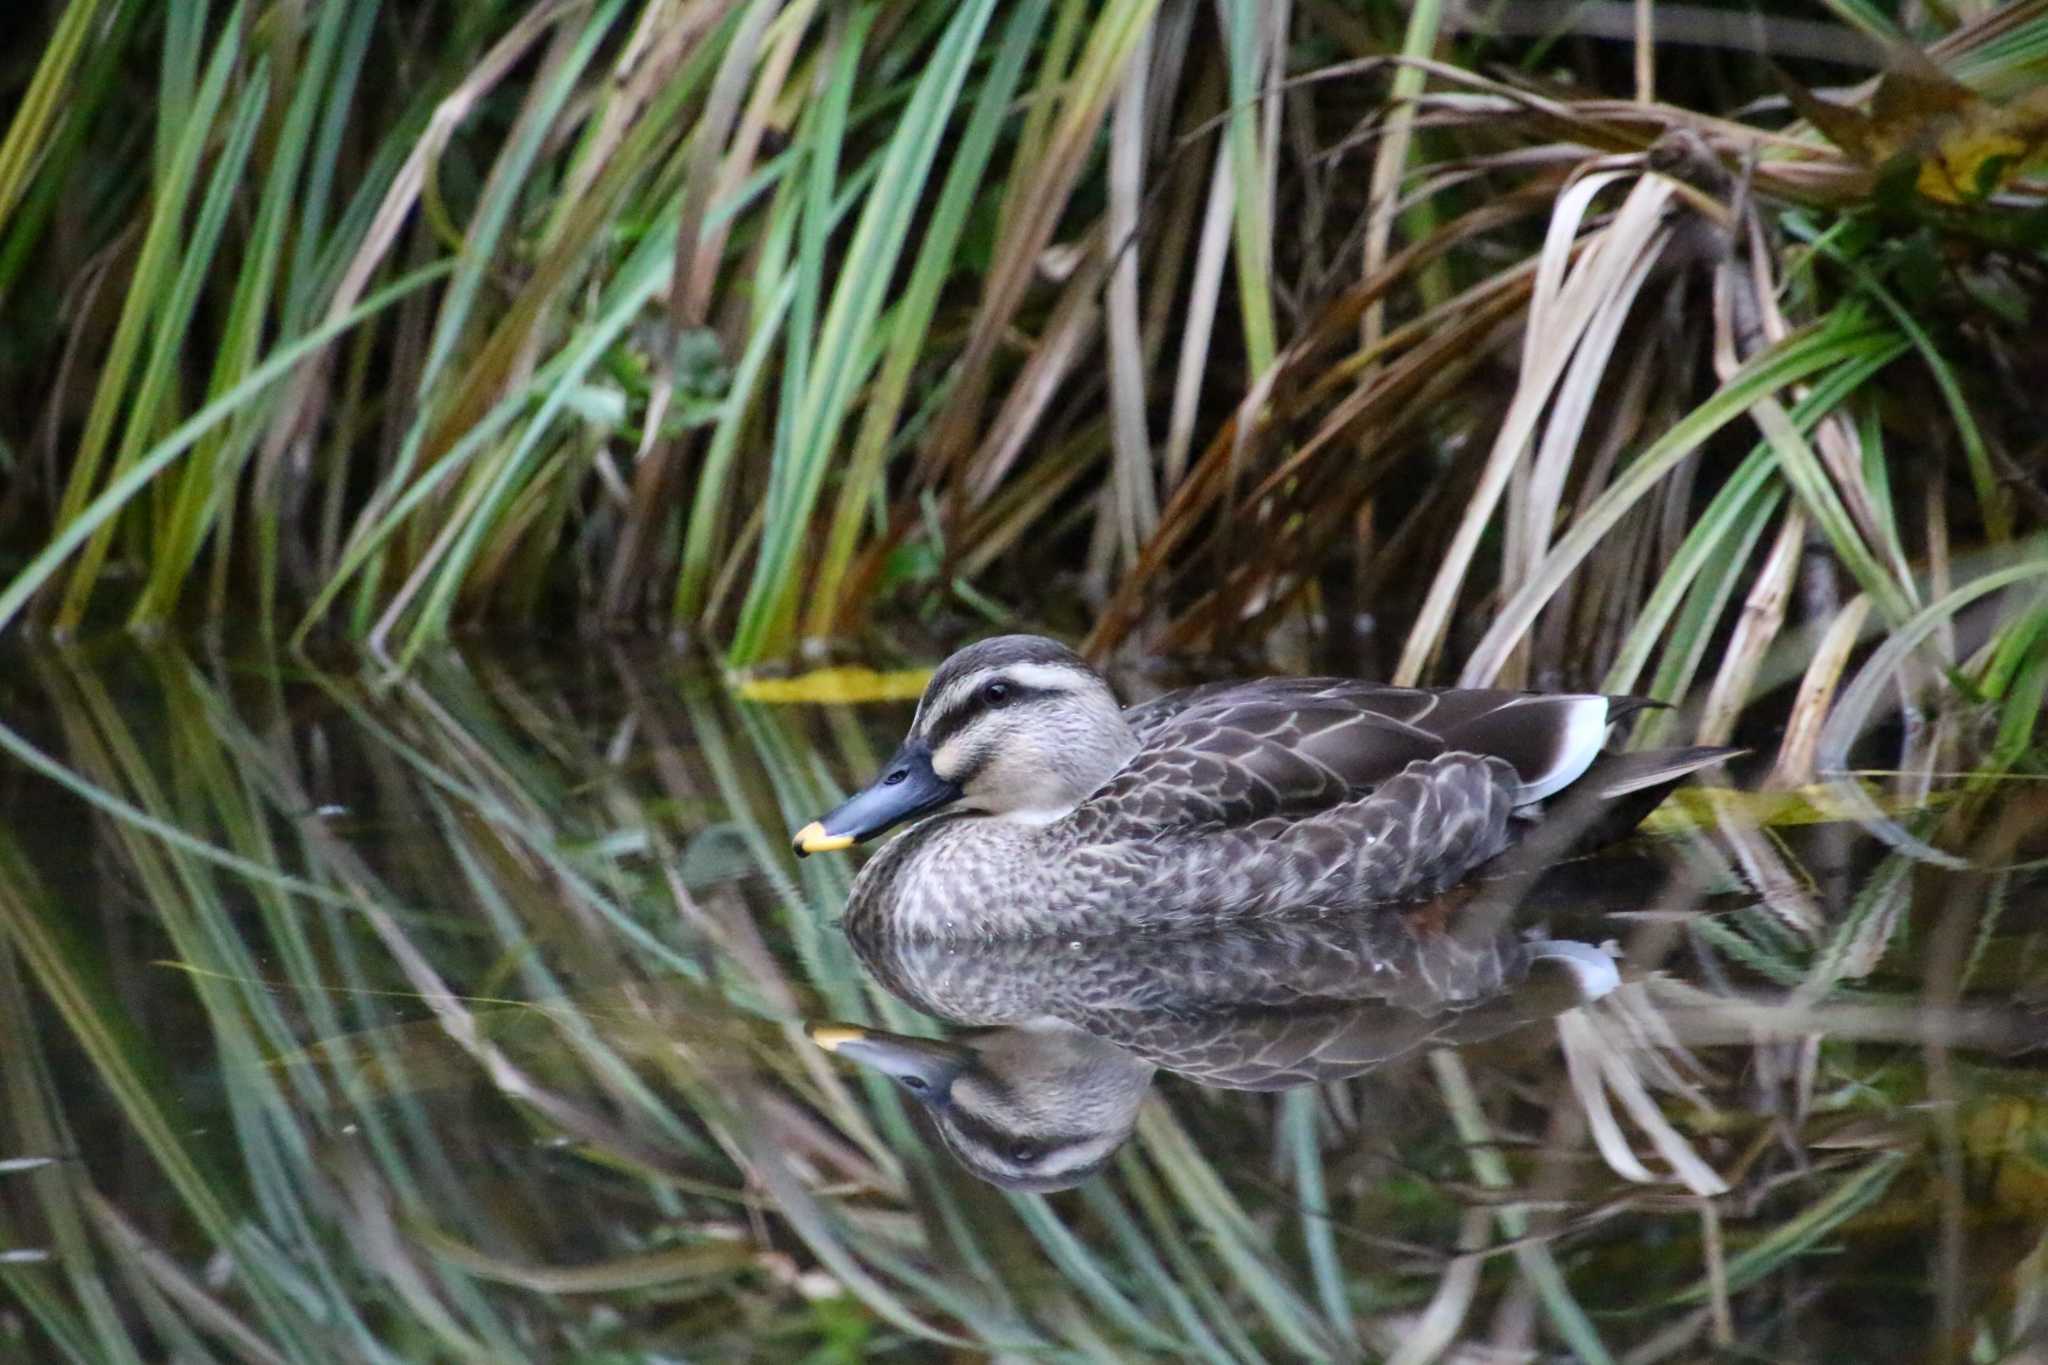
850,684
1911,101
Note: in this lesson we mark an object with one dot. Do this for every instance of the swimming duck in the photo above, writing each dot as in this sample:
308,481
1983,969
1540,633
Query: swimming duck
1045,807
1064,1038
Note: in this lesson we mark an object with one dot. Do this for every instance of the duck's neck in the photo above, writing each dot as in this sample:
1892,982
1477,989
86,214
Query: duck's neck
1066,769
982,873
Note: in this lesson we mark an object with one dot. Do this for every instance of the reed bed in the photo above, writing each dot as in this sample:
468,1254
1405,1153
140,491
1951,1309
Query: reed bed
1365,333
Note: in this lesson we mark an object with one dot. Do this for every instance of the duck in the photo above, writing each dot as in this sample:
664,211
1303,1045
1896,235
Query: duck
1058,1043
1038,805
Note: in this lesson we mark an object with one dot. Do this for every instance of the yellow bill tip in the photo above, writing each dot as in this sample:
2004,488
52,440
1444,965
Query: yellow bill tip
832,1037
812,838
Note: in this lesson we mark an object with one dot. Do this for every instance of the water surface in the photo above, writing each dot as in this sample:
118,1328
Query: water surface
463,1018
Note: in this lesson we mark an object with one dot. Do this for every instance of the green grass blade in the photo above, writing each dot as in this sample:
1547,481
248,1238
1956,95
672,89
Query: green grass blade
91,517
910,320
1795,358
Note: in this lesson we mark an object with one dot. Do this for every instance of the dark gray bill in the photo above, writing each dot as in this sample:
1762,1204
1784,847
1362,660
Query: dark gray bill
907,787
923,1066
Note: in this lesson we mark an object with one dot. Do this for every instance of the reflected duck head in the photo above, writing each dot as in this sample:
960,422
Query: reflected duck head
1018,727
1037,1107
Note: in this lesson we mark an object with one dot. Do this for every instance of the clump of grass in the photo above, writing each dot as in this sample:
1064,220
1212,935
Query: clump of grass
752,320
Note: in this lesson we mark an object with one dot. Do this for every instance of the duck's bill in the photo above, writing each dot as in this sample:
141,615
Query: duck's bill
924,1066
906,789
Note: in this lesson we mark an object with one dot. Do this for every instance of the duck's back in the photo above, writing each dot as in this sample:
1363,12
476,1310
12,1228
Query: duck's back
1228,754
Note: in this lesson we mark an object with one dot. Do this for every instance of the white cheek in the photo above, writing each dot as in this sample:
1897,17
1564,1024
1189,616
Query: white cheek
949,758
1028,790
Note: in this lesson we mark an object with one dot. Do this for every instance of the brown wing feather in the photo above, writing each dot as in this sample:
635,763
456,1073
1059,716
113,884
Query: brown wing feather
1429,708
1230,763
1279,1050
1231,753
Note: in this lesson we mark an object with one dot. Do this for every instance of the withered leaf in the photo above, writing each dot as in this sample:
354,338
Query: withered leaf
1958,146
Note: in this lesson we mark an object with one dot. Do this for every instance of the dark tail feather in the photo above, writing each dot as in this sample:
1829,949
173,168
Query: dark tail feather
1605,805
1621,708
1614,776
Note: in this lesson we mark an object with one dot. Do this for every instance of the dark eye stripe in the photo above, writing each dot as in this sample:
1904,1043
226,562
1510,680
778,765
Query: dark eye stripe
945,726
998,1142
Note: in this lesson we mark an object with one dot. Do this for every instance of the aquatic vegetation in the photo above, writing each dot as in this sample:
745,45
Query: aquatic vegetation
363,998
463,1017
764,321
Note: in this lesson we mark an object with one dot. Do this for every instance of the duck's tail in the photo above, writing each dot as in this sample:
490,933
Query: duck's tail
1618,790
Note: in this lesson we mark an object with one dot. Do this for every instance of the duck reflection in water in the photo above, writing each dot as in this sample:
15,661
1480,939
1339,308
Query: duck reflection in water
1063,1038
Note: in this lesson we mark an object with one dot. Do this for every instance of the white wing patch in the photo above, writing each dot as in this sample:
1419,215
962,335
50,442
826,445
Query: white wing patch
1591,970
1585,727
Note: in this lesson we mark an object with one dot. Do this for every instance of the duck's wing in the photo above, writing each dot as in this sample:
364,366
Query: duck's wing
1230,754
1147,718
1237,762
1280,1050
1276,1005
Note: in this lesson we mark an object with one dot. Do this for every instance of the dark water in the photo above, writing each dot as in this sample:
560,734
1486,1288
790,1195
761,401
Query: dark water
464,1018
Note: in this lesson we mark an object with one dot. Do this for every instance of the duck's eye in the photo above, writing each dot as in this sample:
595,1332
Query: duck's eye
996,693
1024,1153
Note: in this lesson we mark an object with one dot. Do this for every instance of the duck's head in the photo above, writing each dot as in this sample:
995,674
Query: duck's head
1024,1107
1018,727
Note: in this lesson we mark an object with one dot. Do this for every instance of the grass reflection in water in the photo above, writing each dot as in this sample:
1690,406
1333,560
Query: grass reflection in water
463,1019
